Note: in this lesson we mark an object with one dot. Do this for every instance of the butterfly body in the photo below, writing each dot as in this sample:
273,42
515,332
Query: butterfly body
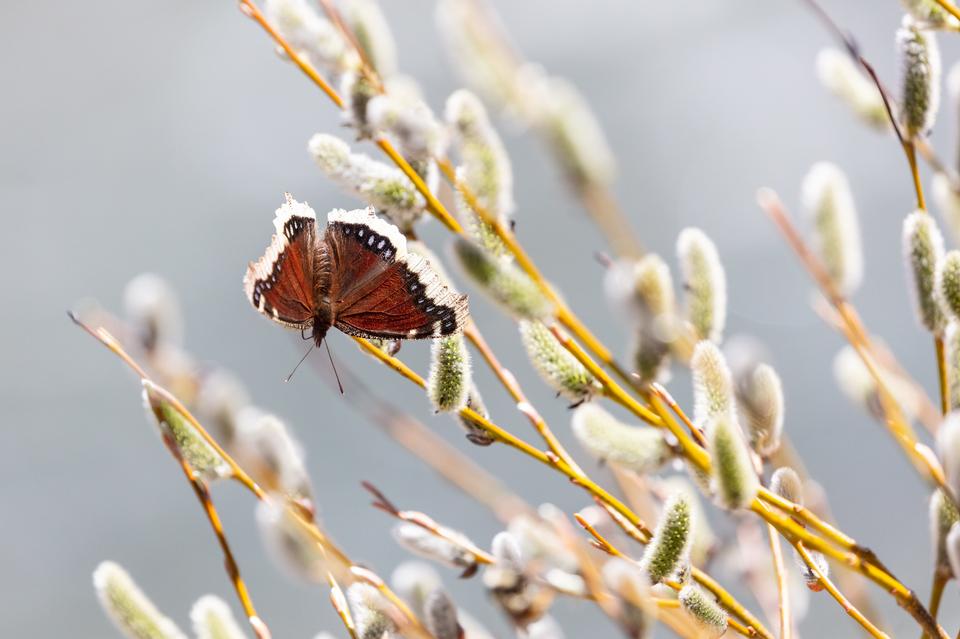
357,277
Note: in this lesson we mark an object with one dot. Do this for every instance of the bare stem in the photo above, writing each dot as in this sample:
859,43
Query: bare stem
786,620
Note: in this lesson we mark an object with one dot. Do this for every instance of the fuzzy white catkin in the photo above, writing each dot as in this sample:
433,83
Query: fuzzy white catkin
485,165
372,31
555,364
669,548
922,252
130,610
704,610
732,474
449,381
440,616
704,539
502,281
943,515
841,76
425,544
919,59
951,342
384,187
761,406
212,619
370,611
953,548
219,400
153,309
637,448
829,203
413,581
712,384
947,200
311,35
856,382
409,123
289,543
705,283
948,449
948,284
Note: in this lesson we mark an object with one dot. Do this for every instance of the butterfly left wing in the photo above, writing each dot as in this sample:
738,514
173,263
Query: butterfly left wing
379,290
282,283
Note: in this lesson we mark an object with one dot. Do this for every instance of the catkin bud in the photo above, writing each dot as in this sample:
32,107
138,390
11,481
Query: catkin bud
930,15
952,355
953,548
372,32
384,187
629,584
705,283
841,76
761,406
556,366
539,541
273,456
370,611
810,577
575,134
289,542
704,610
448,384
503,282
669,548
787,483
919,58
475,434
153,309
424,543
484,164
948,201
948,450
414,581
212,619
733,476
177,431
357,90
712,384
640,449
131,612
440,616
508,583
829,203
943,515
704,540
220,398
948,283
646,292
311,35
922,251
410,123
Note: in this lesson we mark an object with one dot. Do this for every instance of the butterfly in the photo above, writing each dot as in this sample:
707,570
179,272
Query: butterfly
357,277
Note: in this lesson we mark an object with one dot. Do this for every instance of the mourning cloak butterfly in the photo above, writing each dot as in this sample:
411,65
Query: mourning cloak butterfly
356,277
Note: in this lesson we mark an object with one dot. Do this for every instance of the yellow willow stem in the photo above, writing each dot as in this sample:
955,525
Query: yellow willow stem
910,149
949,8
942,374
776,552
940,579
552,460
836,594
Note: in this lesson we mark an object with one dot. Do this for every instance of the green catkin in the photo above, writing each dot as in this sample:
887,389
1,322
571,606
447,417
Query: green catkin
131,612
653,291
952,355
637,448
704,539
212,619
948,450
712,384
484,168
556,366
943,515
475,434
449,381
705,283
761,405
829,204
919,59
368,608
503,282
203,459
703,609
841,76
383,187
922,251
669,548
372,32
734,479
948,283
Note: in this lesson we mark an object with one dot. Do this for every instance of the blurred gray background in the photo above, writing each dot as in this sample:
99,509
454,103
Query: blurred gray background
160,136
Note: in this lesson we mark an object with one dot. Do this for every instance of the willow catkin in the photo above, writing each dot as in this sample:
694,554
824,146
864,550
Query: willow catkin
502,281
449,381
669,548
712,384
919,59
704,610
130,610
943,516
761,406
555,364
705,283
829,203
637,448
841,76
922,252
212,619
732,475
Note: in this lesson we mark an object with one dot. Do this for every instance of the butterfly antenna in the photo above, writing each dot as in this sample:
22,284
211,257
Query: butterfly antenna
333,366
287,378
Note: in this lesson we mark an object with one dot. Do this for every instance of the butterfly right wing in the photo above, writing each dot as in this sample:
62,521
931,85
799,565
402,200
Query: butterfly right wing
282,282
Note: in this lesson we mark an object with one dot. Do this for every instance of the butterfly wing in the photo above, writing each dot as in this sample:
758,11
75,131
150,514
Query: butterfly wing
282,283
378,290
